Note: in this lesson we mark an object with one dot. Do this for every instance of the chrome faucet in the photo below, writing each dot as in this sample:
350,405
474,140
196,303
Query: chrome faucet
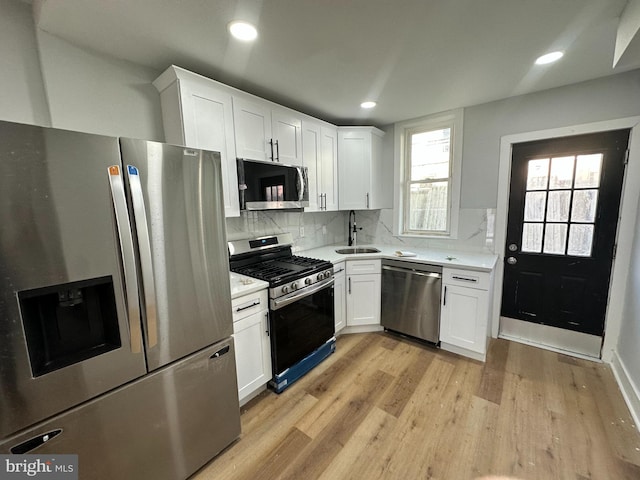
353,229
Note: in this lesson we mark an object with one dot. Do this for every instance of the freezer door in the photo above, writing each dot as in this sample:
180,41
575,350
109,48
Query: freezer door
163,426
177,204
66,333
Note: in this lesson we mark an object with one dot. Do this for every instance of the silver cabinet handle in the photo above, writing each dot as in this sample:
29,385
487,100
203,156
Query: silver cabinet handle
349,280
277,151
300,183
367,199
128,256
266,319
144,247
444,297
271,147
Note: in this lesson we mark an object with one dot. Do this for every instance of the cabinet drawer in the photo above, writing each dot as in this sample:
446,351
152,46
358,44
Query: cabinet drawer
249,304
466,278
357,267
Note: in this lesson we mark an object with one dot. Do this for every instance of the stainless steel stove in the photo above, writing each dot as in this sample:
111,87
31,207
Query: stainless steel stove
301,304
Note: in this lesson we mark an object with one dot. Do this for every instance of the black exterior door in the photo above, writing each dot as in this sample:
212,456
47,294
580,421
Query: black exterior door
563,214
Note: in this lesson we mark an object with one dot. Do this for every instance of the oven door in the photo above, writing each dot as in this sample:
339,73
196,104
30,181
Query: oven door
300,323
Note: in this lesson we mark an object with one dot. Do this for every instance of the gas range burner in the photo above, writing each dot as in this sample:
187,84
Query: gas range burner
270,259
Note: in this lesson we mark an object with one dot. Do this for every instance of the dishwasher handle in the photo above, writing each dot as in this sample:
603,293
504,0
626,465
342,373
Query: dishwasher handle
412,271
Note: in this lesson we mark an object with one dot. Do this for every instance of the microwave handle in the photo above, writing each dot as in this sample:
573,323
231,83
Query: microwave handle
301,185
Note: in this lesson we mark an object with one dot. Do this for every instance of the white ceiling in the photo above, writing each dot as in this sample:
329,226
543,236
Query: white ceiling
324,57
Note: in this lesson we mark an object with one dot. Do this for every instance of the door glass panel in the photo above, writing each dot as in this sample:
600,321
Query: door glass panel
584,206
561,173
588,171
534,204
532,237
558,210
555,238
538,174
580,240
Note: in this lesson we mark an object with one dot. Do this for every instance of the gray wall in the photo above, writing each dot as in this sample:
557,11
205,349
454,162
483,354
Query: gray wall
606,98
22,94
47,81
629,340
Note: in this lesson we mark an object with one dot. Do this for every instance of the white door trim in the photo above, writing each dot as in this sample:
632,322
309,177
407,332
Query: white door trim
626,224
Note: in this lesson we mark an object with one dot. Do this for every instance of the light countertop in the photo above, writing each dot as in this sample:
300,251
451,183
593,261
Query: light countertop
243,285
483,262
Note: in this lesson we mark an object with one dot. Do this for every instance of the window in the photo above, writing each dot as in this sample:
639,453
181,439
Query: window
430,175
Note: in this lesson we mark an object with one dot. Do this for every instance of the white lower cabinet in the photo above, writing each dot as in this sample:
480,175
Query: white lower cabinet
339,294
364,280
465,312
253,349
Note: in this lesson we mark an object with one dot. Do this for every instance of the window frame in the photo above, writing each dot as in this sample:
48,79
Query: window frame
452,119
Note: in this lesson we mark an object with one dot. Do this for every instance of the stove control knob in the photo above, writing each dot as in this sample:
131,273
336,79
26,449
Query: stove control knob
285,289
320,276
294,286
307,281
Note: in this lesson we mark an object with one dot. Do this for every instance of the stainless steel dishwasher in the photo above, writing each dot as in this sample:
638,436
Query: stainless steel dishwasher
411,299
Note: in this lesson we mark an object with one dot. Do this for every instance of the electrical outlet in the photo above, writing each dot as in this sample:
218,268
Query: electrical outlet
301,232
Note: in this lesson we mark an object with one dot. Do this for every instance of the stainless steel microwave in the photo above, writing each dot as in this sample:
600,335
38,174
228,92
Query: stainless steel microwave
271,185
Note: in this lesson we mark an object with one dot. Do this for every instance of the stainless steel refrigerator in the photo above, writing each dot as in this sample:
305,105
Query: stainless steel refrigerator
115,307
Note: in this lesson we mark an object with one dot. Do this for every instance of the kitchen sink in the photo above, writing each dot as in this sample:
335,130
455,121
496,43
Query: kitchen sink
352,250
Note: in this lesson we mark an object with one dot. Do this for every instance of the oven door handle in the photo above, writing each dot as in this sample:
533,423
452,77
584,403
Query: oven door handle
295,296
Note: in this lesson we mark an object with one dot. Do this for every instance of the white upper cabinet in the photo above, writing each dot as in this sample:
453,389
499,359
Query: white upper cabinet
198,113
329,167
319,155
364,178
266,132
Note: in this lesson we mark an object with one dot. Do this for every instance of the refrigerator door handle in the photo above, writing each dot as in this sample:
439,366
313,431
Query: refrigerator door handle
144,247
128,256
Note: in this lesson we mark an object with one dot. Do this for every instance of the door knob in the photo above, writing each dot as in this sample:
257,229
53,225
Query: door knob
512,260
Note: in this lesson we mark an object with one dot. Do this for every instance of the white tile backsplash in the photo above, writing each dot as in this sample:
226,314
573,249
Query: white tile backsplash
320,228
475,230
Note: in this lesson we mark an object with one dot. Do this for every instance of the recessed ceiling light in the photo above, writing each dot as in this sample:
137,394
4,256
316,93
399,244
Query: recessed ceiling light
243,31
549,58
368,104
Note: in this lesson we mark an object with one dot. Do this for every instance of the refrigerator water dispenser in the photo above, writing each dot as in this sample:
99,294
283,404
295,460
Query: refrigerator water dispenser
68,323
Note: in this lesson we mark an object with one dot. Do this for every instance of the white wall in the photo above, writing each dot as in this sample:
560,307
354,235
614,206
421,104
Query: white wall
22,95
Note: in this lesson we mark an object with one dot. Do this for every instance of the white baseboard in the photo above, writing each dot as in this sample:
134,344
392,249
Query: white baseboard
628,388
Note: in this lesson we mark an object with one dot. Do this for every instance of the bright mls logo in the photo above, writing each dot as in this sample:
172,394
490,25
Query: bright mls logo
51,467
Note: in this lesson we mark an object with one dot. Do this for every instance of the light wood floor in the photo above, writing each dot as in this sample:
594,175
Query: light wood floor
386,408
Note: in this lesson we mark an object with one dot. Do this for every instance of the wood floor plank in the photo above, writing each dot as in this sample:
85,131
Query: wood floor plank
493,375
385,408
364,445
321,451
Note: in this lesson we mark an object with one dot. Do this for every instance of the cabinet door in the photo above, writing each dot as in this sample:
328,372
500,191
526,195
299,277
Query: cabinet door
311,151
339,294
208,124
252,121
363,299
354,160
463,318
286,132
253,353
329,168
